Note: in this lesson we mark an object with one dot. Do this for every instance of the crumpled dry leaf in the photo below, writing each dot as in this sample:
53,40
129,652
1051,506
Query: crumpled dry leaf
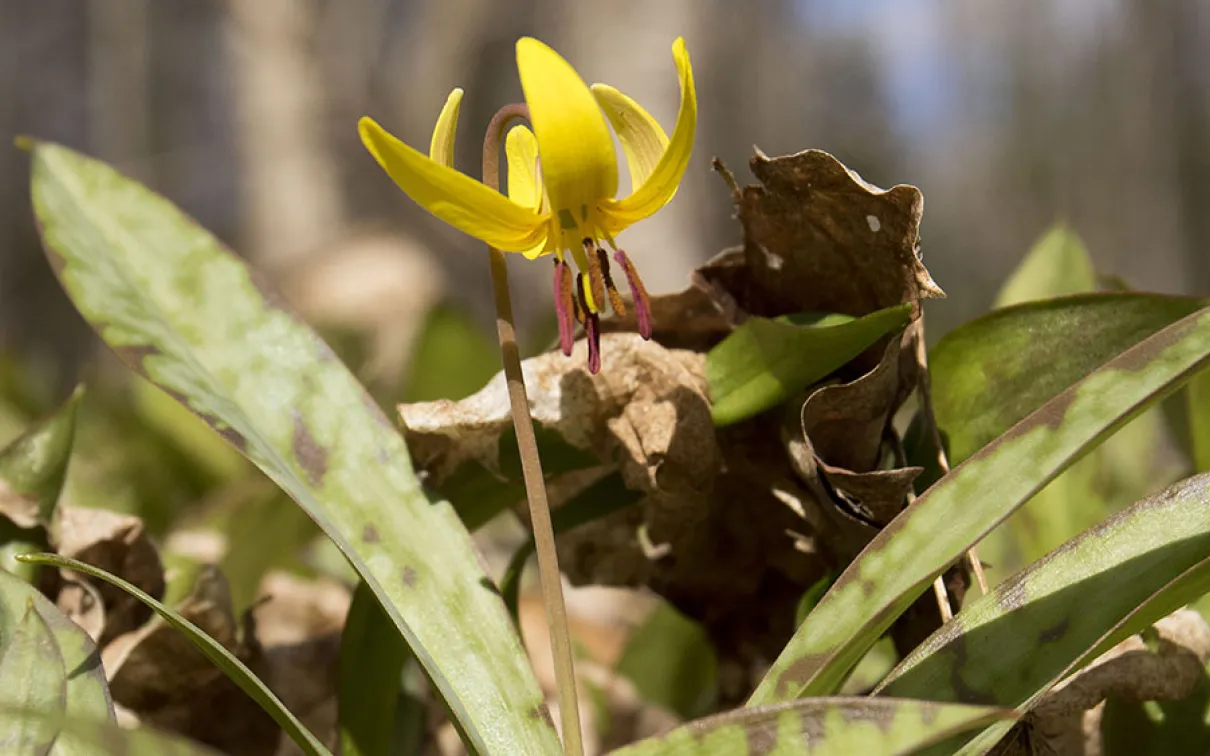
298,626
161,678
116,543
732,527
817,237
1067,719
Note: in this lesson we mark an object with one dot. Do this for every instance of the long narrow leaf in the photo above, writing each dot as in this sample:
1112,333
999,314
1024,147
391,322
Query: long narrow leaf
1008,647
957,511
820,727
214,651
179,308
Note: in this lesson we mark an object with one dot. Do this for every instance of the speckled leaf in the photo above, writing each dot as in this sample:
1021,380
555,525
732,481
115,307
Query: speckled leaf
182,310
991,372
47,664
957,511
32,470
820,727
214,651
764,361
1008,647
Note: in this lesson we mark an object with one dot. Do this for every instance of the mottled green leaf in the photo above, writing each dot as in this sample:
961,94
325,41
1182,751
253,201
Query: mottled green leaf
991,372
1056,265
47,664
820,727
376,718
902,560
214,651
178,307
764,361
1010,646
32,470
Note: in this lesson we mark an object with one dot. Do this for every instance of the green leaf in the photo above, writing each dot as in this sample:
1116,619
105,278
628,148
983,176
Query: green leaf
375,718
48,664
1011,646
178,307
1056,265
1197,397
902,560
671,662
765,361
91,736
214,651
32,470
820,727
991,372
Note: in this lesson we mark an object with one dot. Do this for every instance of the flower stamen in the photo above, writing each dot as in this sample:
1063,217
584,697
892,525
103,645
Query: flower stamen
638,292
615,298
564,304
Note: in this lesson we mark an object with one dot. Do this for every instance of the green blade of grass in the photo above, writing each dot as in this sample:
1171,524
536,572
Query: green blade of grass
187,314
956,512
214,651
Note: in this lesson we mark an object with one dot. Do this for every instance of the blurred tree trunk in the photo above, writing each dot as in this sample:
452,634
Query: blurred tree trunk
292,200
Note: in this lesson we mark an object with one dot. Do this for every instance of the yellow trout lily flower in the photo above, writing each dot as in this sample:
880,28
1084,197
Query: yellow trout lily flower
562,181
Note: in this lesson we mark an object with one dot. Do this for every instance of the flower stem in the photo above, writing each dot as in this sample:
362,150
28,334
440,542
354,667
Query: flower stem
531,464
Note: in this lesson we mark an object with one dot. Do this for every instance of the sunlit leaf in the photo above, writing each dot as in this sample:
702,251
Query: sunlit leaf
990,373
1011,646
902,560
820,727
94,736
190,316
764,361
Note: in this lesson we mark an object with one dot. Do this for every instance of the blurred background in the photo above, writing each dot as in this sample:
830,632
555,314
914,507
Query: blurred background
1009,116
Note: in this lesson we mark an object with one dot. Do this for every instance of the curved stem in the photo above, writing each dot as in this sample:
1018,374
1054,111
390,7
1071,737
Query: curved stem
531,465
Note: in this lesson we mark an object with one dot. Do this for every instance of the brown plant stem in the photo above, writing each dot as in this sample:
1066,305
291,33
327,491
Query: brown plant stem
531,464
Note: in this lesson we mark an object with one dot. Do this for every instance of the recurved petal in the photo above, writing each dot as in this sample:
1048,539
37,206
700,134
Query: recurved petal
454,197
643,139
659,187
579,167
441,148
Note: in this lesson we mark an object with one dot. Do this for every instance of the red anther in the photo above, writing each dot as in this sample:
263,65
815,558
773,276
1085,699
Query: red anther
642,302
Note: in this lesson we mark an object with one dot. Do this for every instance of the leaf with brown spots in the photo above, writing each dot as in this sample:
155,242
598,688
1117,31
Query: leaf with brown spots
957,511
1010,647
820,727
193,318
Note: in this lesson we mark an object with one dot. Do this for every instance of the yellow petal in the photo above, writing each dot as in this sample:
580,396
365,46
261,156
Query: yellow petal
521,151
643,139
441,148
454,197
659,187
524,184
579,167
